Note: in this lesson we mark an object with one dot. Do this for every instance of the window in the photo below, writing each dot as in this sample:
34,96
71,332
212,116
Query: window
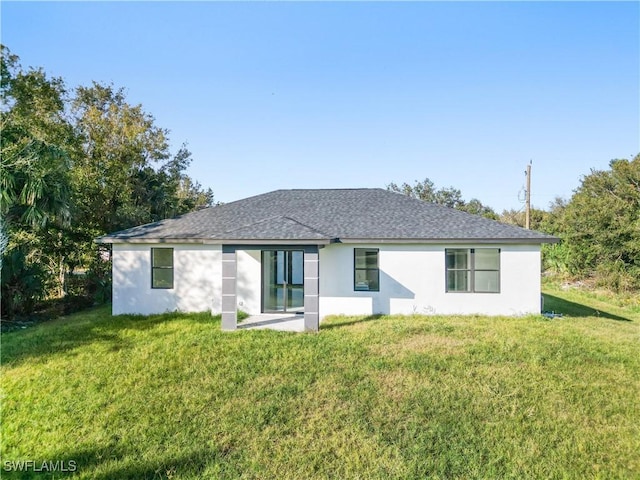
162,268
366,275
458,270
473,270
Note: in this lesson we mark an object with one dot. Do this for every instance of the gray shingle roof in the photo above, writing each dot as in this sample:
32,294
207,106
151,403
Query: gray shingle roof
321,216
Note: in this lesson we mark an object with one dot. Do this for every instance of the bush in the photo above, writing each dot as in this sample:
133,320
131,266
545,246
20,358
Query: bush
618,277
21,283
600,228
48,310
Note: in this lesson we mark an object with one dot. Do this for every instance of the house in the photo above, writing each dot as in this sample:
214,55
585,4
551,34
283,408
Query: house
322,252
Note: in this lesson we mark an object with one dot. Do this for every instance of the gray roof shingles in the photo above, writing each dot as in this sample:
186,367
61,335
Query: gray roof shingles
328,215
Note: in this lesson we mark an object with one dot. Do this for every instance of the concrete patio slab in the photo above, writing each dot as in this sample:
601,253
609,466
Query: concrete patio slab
287,322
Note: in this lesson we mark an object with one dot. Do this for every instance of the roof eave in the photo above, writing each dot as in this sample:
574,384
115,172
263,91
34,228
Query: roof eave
213,241
326,241
458,241
108,240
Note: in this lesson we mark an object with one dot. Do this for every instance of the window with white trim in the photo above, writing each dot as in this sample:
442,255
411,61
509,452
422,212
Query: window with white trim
474,270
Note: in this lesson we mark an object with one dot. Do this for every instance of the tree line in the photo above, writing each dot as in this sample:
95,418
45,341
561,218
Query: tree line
599,226
77,163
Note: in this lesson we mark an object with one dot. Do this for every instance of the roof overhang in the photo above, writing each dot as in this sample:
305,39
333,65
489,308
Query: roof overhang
147,240
454,241
201,241
282,241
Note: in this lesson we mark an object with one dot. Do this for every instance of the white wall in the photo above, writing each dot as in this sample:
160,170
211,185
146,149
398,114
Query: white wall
249,281
197,279
412,280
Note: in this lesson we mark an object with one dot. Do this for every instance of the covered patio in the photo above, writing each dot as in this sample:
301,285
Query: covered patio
284,322
291,321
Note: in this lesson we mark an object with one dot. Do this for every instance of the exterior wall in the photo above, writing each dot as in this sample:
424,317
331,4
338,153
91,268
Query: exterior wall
412,280
197,279
249,281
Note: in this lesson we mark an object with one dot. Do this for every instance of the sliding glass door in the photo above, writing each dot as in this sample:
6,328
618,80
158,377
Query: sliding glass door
282,281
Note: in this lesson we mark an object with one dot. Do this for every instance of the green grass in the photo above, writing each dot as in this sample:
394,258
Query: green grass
171,396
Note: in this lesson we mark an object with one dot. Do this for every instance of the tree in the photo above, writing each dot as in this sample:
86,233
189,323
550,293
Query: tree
555,257
34,180
36,135
450,197
72,169
517,217
425,190
126,171
119,141
600,226
476,207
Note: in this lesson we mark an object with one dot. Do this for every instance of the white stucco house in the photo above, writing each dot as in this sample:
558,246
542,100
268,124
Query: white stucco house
322,252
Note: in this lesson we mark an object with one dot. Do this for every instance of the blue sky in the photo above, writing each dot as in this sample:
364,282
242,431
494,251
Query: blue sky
359,94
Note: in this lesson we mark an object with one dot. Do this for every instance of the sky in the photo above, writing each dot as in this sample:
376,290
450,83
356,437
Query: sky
272,95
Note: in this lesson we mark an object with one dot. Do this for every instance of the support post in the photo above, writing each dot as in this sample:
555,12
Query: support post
311,290
229,281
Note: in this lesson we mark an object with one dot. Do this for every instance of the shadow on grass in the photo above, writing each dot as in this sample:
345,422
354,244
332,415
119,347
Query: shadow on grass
94,326
348,321
106,463
572,309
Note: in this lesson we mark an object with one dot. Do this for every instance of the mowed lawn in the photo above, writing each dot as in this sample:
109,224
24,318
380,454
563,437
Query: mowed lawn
171,396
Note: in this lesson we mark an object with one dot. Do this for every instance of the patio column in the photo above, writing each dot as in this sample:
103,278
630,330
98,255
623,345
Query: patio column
311,289
229,280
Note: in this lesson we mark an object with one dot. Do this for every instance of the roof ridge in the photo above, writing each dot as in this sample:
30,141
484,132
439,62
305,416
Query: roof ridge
253,223
274,217
325,189
307,226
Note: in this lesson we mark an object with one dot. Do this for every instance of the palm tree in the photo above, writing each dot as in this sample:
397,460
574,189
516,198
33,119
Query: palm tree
34,183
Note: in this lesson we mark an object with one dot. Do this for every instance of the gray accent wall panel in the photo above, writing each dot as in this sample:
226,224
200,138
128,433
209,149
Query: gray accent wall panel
229,274
311,290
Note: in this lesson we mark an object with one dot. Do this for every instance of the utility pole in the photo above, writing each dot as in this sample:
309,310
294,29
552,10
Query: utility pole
527,218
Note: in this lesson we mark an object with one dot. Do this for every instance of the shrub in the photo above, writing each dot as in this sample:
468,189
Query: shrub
21,283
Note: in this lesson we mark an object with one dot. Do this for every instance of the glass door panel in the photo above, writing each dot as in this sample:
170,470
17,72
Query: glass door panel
282,280
295,290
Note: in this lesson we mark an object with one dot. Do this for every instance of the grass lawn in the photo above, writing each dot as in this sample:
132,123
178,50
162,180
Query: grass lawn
171,396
